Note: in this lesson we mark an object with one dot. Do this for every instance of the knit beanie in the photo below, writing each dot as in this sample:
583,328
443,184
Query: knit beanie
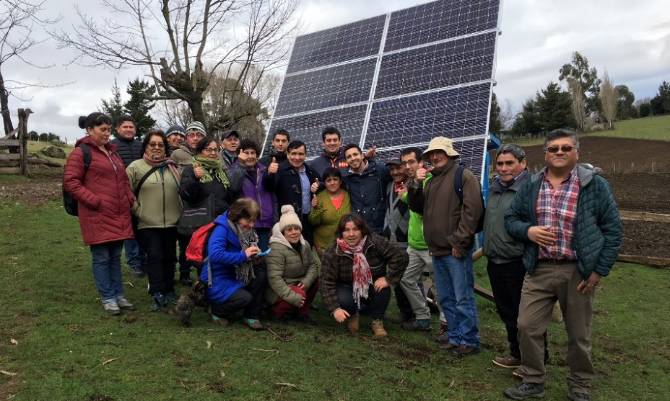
196,126
288,218
175,129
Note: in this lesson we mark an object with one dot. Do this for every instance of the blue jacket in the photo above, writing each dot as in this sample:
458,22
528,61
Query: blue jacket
368,194
225,252
597,233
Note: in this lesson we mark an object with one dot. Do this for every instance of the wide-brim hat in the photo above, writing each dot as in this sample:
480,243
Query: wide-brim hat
441,143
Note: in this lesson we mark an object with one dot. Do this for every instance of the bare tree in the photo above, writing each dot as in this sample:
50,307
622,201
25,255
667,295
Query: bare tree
609,97
578,102
17,20
176,39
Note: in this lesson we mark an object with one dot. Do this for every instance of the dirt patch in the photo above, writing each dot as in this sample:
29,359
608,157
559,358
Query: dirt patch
646,239
33,193
100,397
644,192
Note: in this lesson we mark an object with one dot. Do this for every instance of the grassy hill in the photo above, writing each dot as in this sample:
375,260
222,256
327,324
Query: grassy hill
657,128
36,147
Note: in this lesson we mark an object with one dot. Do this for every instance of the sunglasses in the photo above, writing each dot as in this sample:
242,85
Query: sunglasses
563,148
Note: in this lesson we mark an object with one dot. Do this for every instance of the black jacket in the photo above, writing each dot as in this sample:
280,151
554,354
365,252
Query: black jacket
129,150
368,194
194,192
286,185
267,159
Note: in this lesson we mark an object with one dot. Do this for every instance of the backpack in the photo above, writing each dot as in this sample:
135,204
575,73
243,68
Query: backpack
197,247
69,202
458,187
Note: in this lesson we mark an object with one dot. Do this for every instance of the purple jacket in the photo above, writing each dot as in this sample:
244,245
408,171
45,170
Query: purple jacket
252,187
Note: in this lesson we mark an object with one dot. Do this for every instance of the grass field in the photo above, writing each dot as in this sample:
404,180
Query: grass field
36,147
56,343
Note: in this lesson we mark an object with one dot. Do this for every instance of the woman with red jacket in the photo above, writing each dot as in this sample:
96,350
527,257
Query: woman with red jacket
104,200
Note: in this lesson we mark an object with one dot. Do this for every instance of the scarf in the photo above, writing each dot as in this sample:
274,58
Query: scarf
165,162
213,169
361,273
244,272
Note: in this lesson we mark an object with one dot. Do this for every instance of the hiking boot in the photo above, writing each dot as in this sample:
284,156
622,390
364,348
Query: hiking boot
448,346
254,324
465,350
442,339
185,279
137,271
112,308
353,324
123,303
159,302
508,362
417,325
516,373
525,390
443,327
378,328
578,395
220,321
184,309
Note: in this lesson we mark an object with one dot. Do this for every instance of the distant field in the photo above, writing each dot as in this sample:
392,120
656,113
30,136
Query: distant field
36,146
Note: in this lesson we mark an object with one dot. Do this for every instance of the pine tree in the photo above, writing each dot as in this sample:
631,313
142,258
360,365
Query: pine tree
140,104
113,107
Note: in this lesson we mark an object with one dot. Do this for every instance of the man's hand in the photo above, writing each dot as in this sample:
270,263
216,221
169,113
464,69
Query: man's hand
340,315
371,153
315,186
273,167
589,286
541,236
421,174
455,252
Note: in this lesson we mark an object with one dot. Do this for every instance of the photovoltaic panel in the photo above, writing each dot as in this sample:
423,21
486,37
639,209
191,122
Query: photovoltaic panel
334,86
346,42
456,113
396,80
437,66
440,20
307,128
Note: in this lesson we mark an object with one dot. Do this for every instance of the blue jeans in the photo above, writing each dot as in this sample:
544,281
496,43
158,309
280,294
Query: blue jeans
455,282
107,270
133,254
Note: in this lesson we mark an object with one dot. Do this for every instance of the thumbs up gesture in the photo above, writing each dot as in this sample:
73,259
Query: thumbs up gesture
315,186
421,174
273,167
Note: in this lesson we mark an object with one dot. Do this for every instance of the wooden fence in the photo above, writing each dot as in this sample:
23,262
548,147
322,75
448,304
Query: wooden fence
15,161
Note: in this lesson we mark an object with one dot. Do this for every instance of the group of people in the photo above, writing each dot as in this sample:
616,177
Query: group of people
355,229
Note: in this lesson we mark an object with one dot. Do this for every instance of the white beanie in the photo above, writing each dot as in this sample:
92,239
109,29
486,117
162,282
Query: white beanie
288,218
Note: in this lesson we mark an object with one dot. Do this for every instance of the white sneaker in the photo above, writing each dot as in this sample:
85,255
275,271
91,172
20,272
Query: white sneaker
123,303
112,308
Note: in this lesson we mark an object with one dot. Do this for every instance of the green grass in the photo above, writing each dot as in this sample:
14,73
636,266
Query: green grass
36,147
69,350
657,128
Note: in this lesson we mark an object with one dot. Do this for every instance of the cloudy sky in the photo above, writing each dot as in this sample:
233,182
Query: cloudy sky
631,40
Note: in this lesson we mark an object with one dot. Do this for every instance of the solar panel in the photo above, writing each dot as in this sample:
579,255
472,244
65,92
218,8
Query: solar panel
396,80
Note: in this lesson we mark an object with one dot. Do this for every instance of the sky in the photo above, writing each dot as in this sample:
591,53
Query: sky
630,40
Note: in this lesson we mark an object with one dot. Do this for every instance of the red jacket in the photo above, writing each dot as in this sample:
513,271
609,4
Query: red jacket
103,193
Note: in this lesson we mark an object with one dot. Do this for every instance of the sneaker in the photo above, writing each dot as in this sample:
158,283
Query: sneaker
442,339
525,390
578,395
353,323
159,302
377,326
123,303
137,271
111,308
220,321
508,362
254,324
465,350
417,325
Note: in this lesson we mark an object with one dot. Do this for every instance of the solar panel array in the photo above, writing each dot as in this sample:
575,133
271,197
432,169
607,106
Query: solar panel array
396,80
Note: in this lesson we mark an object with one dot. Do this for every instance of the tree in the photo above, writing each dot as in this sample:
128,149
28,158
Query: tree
33,136
660,104
17,19
625,104
528,120
175,39
644,108
587,77
554,108
113,107
608,99
140,104
44,137
495,124
578,103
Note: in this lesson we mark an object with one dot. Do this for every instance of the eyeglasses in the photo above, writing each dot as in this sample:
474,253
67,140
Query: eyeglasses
156,144
194,134
214,150
563,148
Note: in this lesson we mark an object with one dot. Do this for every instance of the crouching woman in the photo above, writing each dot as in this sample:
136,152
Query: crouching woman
238,280
356,273
293,268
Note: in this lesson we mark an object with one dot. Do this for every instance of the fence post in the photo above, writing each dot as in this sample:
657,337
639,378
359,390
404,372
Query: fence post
23,140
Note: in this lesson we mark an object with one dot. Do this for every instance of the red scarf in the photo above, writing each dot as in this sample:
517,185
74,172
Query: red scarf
361,273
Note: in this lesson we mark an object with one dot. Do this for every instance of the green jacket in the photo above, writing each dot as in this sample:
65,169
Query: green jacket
415,231
286,266
499,246
597,232
324,218
158,204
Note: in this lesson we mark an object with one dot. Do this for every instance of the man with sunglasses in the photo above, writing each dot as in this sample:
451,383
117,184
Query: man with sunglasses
568,220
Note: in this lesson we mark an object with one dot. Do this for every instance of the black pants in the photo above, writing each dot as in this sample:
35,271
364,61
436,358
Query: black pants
184,265
375,305
159,246
249,299
307,230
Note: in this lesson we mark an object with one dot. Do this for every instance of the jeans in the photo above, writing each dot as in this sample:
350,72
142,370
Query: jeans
375,305
107,270
454,280
133,254
159,245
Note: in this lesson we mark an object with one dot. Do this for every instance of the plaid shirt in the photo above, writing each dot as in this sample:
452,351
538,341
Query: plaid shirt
557,208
